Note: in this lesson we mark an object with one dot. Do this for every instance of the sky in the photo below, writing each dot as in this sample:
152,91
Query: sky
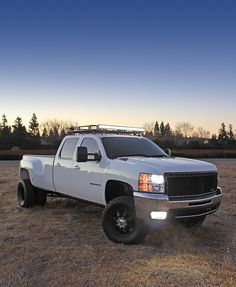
119,62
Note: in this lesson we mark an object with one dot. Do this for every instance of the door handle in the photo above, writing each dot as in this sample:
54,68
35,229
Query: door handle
58,165
76,167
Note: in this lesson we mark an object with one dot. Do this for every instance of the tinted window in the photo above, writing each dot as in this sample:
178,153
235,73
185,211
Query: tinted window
131,146
68,148
91,145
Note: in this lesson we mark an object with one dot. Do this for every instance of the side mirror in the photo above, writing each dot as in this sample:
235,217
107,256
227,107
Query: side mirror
168,151
82,154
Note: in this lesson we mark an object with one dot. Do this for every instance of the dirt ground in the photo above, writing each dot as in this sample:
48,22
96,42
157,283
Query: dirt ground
63,244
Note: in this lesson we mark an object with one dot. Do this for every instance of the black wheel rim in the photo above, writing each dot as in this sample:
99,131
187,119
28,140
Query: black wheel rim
123,219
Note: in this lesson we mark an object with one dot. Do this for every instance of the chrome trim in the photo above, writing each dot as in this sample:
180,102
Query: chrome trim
196,215
147,202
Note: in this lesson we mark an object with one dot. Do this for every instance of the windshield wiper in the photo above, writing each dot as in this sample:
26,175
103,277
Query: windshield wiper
143,155
128,155
160,155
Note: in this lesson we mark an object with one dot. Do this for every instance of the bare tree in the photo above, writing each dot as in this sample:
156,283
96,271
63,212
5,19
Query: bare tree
185,129
55,127
202,133
149,127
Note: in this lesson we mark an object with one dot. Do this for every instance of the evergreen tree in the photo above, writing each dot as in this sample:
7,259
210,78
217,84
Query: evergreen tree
19,133
162,129
168,130
5,133
34,126
4,122
230,132
223,133
18,125
45,133
231,136
156,129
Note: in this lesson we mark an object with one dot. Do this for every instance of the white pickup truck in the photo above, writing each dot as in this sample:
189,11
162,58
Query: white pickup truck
134,179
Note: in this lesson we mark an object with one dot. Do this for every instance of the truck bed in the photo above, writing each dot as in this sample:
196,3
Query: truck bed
40,168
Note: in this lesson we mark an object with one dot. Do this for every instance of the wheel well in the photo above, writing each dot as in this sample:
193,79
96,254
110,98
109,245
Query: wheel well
116,188
24,174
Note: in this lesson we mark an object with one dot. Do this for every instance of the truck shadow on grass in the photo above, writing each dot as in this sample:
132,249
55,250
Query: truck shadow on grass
172,237
60,206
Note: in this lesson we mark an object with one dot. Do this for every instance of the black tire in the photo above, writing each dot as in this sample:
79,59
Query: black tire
119,221
25,194
193,222
40,197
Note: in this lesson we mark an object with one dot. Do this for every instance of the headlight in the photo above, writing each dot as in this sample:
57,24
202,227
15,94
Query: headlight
151,183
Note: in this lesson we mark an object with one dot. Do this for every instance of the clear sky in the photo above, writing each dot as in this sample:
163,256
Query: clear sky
119,62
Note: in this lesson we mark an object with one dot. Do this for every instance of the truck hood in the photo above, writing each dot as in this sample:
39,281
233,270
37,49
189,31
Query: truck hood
170,164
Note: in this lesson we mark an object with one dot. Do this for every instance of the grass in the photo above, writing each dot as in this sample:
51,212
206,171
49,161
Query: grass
63,244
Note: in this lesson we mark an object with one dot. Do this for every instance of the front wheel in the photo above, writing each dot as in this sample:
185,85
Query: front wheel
119,221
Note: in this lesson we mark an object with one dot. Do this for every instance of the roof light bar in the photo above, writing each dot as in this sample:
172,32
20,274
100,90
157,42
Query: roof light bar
102,128
120,128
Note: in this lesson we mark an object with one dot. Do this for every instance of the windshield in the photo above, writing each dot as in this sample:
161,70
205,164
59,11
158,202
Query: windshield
131,146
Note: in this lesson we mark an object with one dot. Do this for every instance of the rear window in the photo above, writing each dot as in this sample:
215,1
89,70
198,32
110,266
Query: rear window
68,148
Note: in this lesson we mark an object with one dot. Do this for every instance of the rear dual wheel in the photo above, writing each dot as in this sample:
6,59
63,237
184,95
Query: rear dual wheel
29,196
25,194
41,197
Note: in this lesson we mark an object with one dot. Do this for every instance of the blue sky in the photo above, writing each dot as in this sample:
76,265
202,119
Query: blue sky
119,62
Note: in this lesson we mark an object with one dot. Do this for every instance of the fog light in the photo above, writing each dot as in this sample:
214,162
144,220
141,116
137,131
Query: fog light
158,214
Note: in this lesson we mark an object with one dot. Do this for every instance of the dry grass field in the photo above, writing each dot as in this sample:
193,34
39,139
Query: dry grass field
63,244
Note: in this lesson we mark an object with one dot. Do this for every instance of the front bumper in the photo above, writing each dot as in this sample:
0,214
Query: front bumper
145,203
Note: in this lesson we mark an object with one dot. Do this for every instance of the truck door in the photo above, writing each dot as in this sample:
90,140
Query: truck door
87,177
63,166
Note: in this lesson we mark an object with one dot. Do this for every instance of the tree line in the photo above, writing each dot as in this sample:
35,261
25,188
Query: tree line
50,133
47,134
186,136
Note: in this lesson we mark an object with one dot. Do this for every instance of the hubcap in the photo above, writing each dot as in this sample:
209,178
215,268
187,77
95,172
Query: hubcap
121,222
